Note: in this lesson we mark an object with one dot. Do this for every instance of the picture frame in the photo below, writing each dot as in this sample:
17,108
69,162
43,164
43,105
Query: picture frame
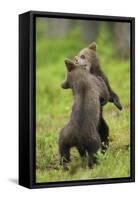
27,99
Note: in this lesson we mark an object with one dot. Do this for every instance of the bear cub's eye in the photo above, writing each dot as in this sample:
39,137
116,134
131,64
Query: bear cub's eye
82,56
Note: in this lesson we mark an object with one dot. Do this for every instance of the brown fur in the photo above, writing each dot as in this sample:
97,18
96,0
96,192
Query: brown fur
88,59
81,131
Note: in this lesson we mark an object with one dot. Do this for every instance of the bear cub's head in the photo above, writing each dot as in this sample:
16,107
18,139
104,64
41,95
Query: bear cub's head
87,58
76,76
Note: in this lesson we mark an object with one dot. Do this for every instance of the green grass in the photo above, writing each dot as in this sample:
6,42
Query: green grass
115,163
53,108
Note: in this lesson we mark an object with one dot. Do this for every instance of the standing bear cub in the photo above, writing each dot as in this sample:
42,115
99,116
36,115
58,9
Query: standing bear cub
88,59
81,131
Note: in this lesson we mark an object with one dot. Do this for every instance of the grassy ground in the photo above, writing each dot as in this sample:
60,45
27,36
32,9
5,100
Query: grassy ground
53,108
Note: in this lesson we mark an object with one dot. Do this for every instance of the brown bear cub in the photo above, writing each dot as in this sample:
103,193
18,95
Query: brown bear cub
87,58
81,131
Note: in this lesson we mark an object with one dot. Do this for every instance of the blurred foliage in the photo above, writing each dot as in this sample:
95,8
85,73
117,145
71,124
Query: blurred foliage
51,50
53,106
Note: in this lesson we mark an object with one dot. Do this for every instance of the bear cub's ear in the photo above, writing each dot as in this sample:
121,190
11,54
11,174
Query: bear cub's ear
93,46
69,64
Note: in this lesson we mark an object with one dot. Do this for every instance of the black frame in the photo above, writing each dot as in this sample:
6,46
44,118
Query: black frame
27,102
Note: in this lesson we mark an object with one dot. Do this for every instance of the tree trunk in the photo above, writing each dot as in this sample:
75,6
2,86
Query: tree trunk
58,28
122,39
90,30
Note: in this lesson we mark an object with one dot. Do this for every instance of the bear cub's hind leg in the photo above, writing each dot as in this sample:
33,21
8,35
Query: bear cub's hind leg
64,155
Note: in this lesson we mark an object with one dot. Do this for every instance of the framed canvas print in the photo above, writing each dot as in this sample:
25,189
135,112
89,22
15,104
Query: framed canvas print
76,99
